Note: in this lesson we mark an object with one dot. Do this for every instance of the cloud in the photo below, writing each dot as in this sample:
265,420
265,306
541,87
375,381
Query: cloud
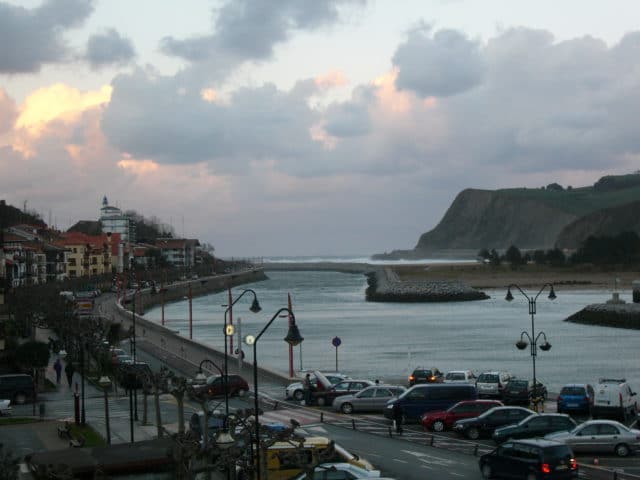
8,112
109,48
33,37
445,64
250,29
349,119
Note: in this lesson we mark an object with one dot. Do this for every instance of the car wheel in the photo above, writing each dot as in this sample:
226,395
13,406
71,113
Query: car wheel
622,450
298,395
438,426
321,401
20,399
242,392
347,408
487,471
473,433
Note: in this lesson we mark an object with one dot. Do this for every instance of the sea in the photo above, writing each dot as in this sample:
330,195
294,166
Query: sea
388,340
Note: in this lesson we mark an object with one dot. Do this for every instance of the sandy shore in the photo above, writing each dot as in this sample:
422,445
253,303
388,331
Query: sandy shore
482,276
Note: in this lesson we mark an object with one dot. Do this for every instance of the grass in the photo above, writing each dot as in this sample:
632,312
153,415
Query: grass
17,420
91,437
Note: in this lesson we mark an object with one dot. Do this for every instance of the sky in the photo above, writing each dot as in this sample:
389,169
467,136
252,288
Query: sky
309,127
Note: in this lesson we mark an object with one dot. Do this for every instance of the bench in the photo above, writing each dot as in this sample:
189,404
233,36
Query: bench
77,441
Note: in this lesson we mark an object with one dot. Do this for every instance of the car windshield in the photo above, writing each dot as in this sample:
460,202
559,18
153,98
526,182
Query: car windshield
422,373
572,391
556,453
488,378
455,376
518,384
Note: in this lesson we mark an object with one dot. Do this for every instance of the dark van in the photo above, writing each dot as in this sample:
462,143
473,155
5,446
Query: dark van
429,397
17,387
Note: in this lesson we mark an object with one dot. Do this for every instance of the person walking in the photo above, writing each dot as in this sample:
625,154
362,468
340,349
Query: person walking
306,389
57,366
69,370
397,417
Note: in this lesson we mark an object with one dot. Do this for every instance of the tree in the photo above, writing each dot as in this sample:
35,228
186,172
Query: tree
484,254
556,257
513,256
539,257
33,355
494,257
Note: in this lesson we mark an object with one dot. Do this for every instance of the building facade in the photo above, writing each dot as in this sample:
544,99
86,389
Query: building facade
113,220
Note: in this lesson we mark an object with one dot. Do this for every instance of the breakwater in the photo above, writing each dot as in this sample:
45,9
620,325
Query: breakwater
625,315
385,286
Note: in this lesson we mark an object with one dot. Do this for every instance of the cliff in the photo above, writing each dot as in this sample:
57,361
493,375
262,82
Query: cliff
538,218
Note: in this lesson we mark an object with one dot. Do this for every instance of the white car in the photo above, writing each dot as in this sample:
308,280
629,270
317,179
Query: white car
614,399
294,390
344,471
459,376
5,408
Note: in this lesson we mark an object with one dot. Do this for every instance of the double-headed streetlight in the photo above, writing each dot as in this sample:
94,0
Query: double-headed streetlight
533,337
293,338
228,332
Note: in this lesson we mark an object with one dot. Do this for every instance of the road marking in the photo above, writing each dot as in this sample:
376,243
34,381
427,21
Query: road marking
457,474
399,461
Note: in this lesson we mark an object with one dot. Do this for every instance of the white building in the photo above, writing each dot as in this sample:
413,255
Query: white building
114,221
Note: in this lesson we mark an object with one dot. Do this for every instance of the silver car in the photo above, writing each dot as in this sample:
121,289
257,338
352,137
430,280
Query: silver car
294,390
601,436
370,399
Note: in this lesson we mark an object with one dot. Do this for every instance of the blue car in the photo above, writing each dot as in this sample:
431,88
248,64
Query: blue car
576,398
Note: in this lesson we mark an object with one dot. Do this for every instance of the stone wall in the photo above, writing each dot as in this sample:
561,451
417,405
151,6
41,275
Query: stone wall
170,343
625,315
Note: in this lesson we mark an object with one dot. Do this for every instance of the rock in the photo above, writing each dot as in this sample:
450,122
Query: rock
618,315
384,286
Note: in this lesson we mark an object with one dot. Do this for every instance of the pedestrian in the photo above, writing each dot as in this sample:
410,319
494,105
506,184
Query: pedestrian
397,417
377,382
57,366
306,389
68,370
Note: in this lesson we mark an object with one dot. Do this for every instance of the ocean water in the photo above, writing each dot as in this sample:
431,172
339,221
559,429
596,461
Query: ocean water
388,340
353,259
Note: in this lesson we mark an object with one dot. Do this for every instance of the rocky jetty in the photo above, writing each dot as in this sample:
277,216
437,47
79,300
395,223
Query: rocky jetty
618,315
384,286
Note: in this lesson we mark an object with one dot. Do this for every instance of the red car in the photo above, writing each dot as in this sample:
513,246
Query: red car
444,419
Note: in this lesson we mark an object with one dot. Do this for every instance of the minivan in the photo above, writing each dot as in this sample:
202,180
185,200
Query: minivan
429,397
17,387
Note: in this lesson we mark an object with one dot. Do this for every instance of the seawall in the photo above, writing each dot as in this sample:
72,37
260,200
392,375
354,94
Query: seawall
385,286
626,315
171,344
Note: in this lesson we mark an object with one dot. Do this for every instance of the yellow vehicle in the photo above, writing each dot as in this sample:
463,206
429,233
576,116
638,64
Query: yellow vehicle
285,460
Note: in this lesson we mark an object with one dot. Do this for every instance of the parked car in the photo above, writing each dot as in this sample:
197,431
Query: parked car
535,425
345,387
214,387
614,399
600,436
5,408
370,399
460,376
431,397
338,471
575,397
485,424
492,384
17,387
133,375
294,390
530,459
425,375
521,392
444,419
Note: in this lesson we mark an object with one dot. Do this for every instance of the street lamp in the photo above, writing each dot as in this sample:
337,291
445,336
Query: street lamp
293,338
105,383
533,338
228,332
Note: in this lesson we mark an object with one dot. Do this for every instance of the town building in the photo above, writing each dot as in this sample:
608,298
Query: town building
113,220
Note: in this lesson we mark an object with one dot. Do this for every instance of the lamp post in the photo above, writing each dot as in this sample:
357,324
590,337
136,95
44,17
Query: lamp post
533,337
228,332
293,338
105,383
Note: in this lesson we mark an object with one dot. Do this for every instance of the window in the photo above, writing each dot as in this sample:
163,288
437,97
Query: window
608,430
357,386
561,422
589,430
416,394
578,391
539,422
72,262
455,376
488,378
383,392
341,387
367,393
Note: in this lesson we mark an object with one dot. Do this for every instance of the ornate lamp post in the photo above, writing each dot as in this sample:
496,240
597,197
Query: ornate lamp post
533,337
105,383
228,332
293,338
